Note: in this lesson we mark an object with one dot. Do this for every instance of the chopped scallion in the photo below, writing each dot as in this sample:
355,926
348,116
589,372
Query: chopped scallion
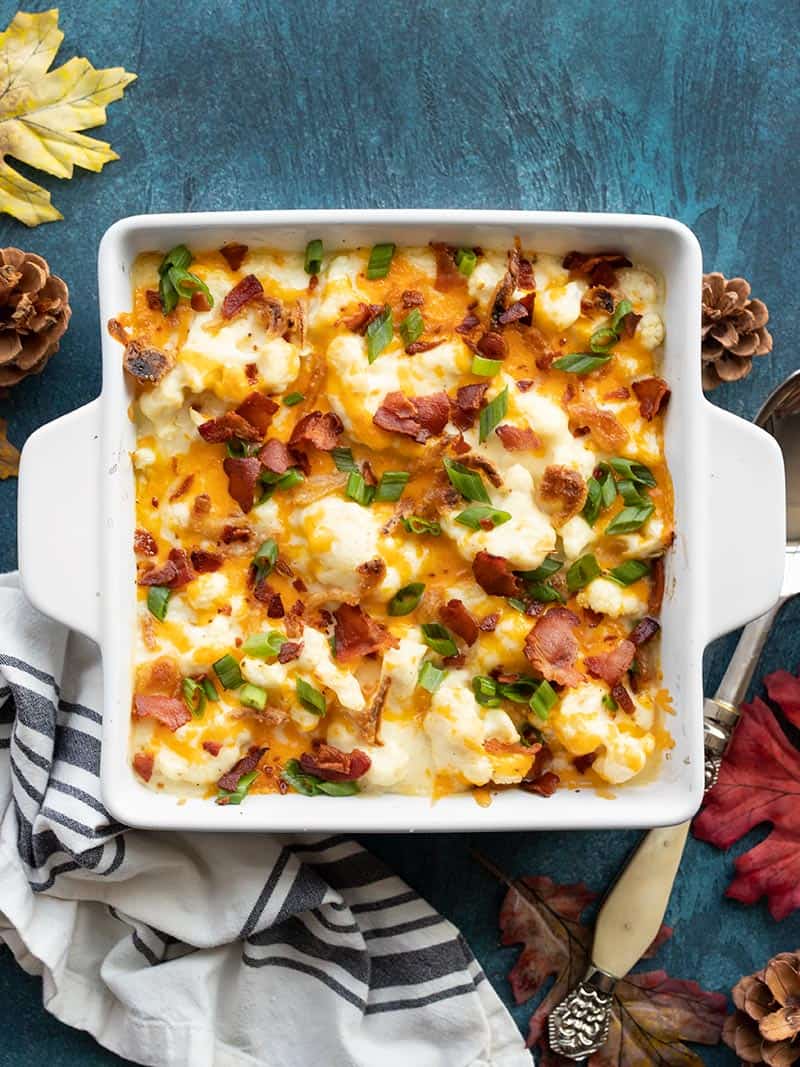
430,676
253,696
623,308
225,796
310,697
313,262
637,472
227,670
544,592
543,701
630,519
594,499
417,525
291,399
609,702
175,281
391,486
475,516
493,414
358,490
603,339
380,259
630,492
265,558
485,690
439,638
379,334
309,785
210,690
468,482
343,458
580,362
194,697
582,571
406,599
546,569
273,482
264,646
157,600
466,261
486,368
608,486
630,571
412,327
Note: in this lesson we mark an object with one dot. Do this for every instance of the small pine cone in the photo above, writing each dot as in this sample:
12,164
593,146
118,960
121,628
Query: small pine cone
765,1028
34,313
734,329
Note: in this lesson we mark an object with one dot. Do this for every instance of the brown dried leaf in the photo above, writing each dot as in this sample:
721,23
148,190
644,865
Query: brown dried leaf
9,455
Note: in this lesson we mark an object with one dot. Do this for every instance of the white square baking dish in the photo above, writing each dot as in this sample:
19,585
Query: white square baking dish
725,567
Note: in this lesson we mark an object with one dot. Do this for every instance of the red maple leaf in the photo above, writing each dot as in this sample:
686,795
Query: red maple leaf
652,1015
759,782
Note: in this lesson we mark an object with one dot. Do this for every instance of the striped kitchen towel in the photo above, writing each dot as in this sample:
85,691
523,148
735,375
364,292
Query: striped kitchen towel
210,949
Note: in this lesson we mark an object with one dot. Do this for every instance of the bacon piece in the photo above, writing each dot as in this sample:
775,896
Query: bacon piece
146,364
488,623
234,254
468,323
201,505
144,544
480,463
275,456
213,747
183,488
658,573
544,785
370,573
173,574
232,534
242,293
514,313
248,763
317,430
143,765
199,301
467,404
419,417
598,298
258,410
505,288
612,666
170,711
598,267
227,427
524,384
332,765
293,623
152,299
458,618
205,562
264,592
526,279
606,431
433,412
516,439
492,345
289,650
644,631
422,346
494,575
448,276
564,487
622,392
623,698
358,320
551,647
629,323
495,747
242,479
356,634
653,395
583,763
412,299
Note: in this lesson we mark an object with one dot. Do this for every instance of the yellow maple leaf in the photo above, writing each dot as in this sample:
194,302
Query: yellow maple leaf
41,112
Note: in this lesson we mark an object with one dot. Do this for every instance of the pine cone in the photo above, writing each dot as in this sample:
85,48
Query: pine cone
765,1028
734,329
34,312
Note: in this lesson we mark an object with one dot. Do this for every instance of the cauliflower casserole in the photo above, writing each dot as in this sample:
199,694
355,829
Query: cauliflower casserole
401,520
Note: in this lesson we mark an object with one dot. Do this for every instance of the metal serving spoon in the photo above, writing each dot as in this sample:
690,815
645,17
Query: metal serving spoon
634,908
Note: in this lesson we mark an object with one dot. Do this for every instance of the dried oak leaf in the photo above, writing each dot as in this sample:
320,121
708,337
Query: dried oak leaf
759,781
41,112
653,1014
9,455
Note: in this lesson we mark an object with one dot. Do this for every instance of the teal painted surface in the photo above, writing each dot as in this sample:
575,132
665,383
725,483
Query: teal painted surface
690,109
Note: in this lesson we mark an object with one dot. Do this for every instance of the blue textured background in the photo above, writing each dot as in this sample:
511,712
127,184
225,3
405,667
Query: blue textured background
689,109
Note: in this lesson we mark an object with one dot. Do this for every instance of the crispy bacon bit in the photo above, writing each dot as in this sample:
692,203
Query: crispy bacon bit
205,562
458,618
170,711
144,544
526,279
174,574
317,430
146,364
356,634
505,288
422,346
231,533
467,404
606,431
495,747
357,321
653,395
283,567
494,575
629,324
227,427
492,345
551,647
412,299
515,439
293,623
264,592
612,666
242,293
564,488
242,479
623,698
598,267
598,298
448,276
258,410
275,456
658,573
524,384
199,301
583,763
515,313
201,505
213,747
488,623
468,323
184,487
143,764
118,331
544,785
234,254
620,393
418,417
332,765
480,463
289,650
371,573
368,474
644,631
248,763
152,299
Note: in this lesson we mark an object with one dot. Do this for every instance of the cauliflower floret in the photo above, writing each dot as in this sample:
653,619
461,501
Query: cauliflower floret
650,330
401,763
547,271
624,757
649,541
576,536
488,274
207,590
334,536
421,259
559,307
143,457
639,287
401,665
607,597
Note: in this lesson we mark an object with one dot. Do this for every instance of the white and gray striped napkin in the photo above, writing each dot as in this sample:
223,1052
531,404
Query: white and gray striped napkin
210,949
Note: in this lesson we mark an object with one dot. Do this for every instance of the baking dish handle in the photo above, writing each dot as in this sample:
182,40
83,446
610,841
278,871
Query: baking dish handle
747,522
59,521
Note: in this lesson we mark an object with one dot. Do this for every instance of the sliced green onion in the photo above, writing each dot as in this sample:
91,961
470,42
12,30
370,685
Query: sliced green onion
358,490
637,472
493,414
291,399
380,259
546,569
210,690
186,285
264,646
607,486
412,327
343,458
406,599
265,558
313,263
582,571
594,499
518,605
630,571
227,670
391,485
630,519
609,702
379,334
310,697
477,514
157,600
417,525
337,789
486,368
309,785
439,638
468,482
466,261
485,690
630,493
273,482
580,362
623,308
179,257
253,696
430,676
194,697
225,796
544,592
238,449
603,339
519,691
543,701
